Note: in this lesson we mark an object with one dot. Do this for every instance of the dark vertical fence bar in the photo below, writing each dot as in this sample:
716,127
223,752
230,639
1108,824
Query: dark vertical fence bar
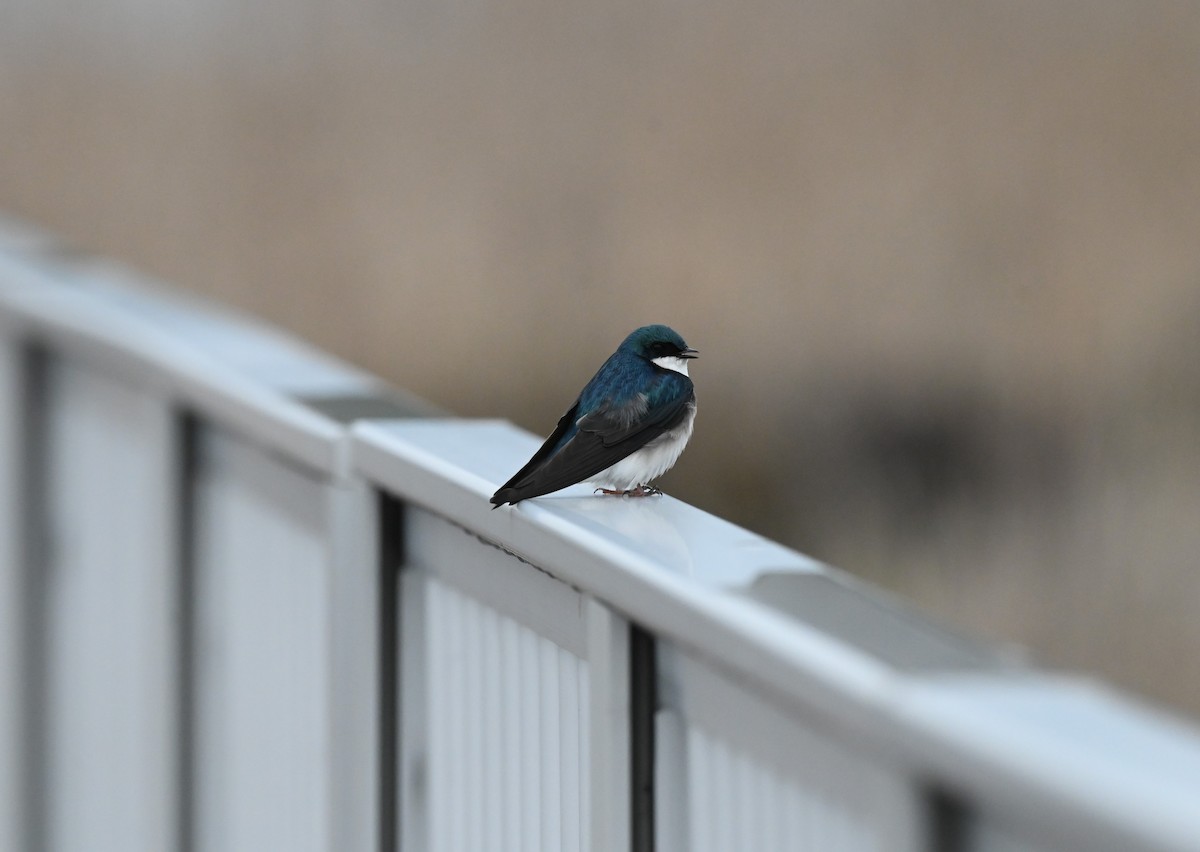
35,562
187,447
391,558
643,711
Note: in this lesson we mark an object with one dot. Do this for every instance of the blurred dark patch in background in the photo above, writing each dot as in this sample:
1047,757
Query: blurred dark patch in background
941,259
909,462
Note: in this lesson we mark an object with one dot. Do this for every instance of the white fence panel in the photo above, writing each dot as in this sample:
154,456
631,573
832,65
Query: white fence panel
735,773
261,585
109,616
290,402
987,837
501,666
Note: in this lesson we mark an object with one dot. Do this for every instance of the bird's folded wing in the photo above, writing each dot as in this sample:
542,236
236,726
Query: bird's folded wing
565,424
602,439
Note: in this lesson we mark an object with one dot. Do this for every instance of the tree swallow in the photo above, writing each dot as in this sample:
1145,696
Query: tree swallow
628,426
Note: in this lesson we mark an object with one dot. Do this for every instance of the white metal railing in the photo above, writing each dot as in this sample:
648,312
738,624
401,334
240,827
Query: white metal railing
253,599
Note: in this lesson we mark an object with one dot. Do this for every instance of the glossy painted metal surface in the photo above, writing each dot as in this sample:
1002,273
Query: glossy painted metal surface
262,669
107,616
263,389
756,777
923,707
505,689
373,654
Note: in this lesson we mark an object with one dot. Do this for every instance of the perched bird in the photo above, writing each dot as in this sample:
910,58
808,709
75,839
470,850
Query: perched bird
628,426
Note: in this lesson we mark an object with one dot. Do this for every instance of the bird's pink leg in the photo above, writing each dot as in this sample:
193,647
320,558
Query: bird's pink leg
640,491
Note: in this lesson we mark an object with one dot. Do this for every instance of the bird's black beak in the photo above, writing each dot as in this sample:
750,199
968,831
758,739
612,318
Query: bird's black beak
690,353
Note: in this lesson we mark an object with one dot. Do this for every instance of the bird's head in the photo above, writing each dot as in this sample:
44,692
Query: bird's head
662,345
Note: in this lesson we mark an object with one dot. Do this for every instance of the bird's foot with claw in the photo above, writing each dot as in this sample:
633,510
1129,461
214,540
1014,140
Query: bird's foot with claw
640,491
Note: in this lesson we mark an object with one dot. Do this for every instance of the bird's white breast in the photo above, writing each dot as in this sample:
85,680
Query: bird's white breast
652,460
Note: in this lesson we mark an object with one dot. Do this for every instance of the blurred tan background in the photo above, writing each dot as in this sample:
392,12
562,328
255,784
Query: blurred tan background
942,259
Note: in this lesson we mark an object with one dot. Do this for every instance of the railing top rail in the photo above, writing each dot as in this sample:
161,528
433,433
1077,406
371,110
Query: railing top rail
269,385
1033,745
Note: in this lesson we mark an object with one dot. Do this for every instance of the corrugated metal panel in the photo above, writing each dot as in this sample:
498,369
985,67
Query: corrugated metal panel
508,712
108,618
740,804
494,654
262,721
988,838
736,774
